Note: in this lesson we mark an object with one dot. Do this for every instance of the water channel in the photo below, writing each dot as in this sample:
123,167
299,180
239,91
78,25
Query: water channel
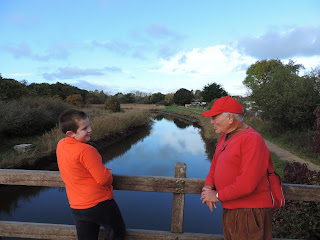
149,152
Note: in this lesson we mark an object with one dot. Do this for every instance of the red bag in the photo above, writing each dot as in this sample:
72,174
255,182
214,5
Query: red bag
275,185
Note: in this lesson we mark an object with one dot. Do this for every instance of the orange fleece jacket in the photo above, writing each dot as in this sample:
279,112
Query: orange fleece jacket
87,180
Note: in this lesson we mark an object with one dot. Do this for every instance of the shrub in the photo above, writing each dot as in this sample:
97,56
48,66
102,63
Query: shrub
316,138
112,104
29,116
75,100
298,219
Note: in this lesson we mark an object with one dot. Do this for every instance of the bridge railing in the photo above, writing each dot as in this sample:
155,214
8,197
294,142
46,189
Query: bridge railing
179,185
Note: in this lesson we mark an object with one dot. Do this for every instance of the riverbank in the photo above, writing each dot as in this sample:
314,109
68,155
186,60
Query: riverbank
277,153
107,129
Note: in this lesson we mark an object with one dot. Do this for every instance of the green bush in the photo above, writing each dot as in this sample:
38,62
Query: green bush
29,116
112,104
298,219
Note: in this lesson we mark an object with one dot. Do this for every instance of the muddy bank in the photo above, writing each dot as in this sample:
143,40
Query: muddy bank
189,119
49,162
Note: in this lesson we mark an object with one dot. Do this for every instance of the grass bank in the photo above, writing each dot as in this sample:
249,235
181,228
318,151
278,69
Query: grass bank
297,142
105,126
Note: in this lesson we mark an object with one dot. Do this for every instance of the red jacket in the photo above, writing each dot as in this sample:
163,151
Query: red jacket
87,180
239,171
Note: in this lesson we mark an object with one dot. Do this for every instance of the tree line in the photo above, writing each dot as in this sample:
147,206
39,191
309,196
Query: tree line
282,93
12,89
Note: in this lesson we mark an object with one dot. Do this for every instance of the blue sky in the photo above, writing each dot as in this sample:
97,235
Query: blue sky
153,46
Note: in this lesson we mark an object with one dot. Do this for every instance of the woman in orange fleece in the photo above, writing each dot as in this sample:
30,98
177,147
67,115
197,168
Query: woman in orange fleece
88,182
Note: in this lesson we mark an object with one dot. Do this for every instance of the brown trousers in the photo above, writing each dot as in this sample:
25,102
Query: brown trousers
247,223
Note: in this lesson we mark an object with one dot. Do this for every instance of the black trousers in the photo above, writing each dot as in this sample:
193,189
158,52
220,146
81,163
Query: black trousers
106,214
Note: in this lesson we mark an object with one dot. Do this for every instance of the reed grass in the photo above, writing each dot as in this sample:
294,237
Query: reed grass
118,123
103,124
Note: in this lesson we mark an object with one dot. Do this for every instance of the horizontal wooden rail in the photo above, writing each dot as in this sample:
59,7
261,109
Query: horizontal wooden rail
145,183
68,232
178,185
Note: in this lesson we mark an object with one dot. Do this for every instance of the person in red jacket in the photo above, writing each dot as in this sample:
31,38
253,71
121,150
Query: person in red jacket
88,182
238,175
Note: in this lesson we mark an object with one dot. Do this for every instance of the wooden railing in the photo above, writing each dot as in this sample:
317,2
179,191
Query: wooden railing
179,185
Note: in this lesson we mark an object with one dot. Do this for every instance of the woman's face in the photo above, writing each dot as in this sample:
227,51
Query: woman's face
221,123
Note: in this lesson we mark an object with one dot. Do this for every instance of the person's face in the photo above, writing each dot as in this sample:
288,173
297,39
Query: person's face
84,131
221,123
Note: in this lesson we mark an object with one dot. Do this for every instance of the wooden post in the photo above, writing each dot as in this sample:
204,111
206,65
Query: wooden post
178,199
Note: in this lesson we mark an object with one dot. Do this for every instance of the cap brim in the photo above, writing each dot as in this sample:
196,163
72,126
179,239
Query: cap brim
210,113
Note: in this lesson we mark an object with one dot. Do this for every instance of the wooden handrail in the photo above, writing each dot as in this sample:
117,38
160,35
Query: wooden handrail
68,232
145,183
178,185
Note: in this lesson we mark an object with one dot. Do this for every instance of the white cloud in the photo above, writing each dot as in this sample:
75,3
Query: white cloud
221,64
289,43
214,61
75,72
18,74
58,51
161,31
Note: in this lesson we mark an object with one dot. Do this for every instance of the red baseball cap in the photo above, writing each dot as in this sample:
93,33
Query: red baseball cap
224,104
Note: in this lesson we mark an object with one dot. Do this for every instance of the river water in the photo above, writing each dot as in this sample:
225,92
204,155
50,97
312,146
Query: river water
151,152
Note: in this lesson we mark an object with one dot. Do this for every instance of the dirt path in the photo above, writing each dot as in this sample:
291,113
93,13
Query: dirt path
287,156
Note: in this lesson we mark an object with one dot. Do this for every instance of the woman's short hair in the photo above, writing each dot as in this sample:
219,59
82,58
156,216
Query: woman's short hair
69,119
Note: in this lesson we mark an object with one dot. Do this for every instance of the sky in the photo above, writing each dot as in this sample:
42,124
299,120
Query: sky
153,46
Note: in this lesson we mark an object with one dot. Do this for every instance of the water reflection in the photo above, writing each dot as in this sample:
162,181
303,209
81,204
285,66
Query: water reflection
118,149
12,196
149,152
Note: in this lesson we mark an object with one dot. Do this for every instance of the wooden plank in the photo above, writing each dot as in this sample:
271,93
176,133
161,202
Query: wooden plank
180,171
301,192
120,182
60,231
144,183
157,184
31,178
37,230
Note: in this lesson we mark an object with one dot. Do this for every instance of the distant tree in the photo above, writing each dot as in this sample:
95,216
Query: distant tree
157,97
129,98
121,97
12,89
287,99
213,91
64,90
112,104
182,96
146,99
92,98
316,135
169,98
102,96
75,99
197,95
139,96
41,89
315,74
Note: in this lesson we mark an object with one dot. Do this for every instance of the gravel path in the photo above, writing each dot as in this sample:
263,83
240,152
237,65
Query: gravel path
287,156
